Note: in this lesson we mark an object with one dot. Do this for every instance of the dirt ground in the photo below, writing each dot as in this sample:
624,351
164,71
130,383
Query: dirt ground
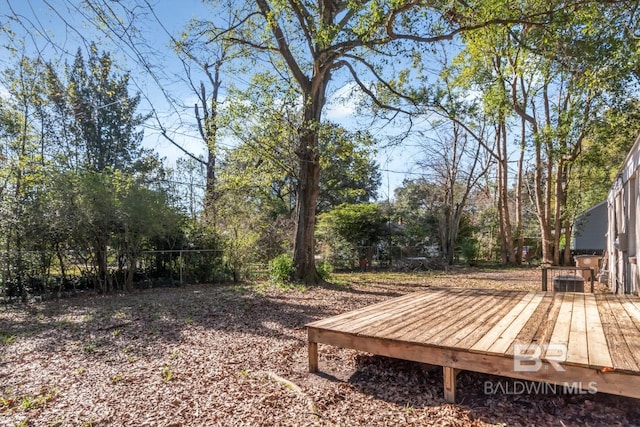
209,355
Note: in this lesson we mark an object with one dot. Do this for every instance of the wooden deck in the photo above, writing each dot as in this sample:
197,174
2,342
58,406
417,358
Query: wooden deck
586,340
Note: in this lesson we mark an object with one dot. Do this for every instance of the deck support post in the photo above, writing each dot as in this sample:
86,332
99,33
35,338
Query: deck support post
313,356
450,383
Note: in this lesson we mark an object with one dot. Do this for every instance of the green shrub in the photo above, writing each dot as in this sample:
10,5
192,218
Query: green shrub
324,269
281,269
469,250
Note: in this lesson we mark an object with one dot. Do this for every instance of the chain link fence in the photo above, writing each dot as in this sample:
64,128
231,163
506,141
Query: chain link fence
386,257
53,274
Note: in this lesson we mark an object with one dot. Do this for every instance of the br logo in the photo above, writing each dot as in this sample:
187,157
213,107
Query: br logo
530,357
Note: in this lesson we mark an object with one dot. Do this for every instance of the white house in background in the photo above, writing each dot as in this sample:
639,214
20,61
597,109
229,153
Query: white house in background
590,230
623,231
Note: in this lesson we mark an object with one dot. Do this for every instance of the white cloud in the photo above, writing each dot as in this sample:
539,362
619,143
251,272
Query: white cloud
341,104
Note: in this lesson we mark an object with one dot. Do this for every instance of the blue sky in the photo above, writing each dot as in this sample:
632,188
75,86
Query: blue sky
57,29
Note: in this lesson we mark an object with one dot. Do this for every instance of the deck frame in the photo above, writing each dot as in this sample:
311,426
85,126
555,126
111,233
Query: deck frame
494,355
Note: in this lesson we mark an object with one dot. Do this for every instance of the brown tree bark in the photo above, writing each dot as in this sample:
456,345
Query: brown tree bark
503,189
308,191
519,194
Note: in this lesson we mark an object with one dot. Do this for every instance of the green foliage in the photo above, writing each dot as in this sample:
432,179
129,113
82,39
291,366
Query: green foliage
324,270
207,266
469,250
281,269
104,121
610,138
348,173
76,187
416,207
358,224
348,227
554,82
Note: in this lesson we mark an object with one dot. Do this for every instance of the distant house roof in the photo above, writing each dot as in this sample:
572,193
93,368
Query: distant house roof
590,229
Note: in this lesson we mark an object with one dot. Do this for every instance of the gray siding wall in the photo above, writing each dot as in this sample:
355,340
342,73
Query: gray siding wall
590,229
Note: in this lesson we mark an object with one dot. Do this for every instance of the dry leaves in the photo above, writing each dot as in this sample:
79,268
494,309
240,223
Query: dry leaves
229,355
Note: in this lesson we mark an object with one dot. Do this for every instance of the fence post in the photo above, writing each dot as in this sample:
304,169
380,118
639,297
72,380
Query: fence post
181,261
544,279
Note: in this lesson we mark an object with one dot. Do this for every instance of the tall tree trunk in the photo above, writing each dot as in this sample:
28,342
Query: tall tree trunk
208,128
540,193
567,238
560,201
131,271
503,182
519,193
104,281
502,221
314,96
308,191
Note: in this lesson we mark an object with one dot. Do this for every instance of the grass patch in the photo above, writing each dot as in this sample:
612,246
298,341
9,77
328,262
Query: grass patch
6,338
28,402
117,378
89,347
167,373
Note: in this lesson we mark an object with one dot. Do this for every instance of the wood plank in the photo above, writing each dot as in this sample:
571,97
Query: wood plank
369,309
597,347
492,335
562,328
372,310
633,336
438,315
537,325
577,350
423,299
634,300
470,325
477,333
381,312
626,326
618,349
506,338
471,313
544,332
377,326
444,318
632,309
619,383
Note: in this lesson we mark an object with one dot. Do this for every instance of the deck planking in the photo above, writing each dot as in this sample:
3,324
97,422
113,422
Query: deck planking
535,330
478,329
621,355
597,347
422,313
472,327
578,352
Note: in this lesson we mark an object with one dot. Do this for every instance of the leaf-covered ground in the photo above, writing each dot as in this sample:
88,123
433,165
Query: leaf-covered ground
211,355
